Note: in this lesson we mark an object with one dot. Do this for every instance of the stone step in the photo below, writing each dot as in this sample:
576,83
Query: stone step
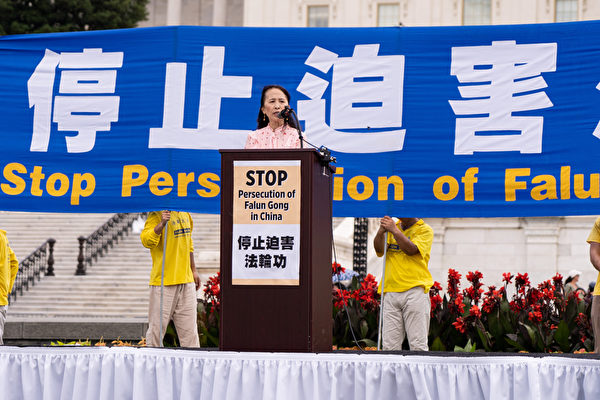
79,313
116,285
131,295
73,304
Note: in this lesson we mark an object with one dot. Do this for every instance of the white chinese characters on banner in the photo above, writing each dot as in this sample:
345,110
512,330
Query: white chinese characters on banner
83,107
596,132
214,86
503,78
366,93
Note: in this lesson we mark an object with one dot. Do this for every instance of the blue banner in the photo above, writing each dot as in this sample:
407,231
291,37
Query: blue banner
430,122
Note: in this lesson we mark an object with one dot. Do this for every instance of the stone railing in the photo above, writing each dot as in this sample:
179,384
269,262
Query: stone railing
105,237
40,261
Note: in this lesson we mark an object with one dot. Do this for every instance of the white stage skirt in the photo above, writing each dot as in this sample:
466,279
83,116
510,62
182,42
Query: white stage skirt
49,373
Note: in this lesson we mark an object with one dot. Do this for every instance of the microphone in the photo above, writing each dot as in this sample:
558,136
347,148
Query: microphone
285,112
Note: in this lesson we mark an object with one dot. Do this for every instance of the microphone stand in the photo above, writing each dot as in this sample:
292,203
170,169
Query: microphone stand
324,152
291,110
379,330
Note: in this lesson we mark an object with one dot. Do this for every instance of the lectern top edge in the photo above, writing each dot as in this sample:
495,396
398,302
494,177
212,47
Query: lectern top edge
267,150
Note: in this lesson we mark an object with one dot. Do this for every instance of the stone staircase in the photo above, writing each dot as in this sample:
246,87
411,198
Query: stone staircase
114,287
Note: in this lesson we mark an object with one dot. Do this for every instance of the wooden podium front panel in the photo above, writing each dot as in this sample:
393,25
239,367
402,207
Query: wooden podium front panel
278,317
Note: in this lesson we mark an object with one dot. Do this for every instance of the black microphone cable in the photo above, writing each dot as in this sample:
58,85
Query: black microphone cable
325,153
345,305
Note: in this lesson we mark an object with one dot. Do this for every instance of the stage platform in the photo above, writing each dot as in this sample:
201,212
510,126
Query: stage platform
102,373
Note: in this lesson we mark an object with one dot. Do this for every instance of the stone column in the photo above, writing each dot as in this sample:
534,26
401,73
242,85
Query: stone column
173,12
541,237
219,12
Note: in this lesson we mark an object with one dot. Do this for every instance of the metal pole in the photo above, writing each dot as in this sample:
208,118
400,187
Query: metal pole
162,281
382,294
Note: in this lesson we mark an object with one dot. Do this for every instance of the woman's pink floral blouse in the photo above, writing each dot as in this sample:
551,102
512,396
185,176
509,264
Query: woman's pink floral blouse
284,137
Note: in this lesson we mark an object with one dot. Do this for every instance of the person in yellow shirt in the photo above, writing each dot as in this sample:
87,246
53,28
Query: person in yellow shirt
9,266
594,241
406,305
181,279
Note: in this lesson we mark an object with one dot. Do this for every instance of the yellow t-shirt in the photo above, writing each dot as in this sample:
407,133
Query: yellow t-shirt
179,247
9,266
595,237
402,271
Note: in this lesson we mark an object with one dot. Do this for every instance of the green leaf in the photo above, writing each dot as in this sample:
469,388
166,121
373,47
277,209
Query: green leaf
561,335
530,331
571,313
505,316
469,348
437,345
467,308
494,326
364,328
367,343
589,345
484,336
513,340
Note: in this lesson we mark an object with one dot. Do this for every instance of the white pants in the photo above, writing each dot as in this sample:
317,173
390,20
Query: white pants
179,305
2,321
406,314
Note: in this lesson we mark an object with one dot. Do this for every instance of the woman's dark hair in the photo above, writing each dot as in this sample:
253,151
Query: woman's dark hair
569,279
262,119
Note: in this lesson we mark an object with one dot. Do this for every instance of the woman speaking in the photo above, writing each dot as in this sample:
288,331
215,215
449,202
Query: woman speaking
274,131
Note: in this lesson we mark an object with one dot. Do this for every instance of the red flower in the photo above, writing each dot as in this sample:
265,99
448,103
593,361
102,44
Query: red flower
340,298
453,282
582,321
535,316
336,268
534,295
517,305
474,311
459,304
507,277
459,325
558,278
437,287
473,294
435,302
522,281
212,292
366,294
474,276
548,293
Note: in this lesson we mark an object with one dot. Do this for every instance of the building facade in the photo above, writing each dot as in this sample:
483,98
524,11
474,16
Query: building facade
538,246
369,13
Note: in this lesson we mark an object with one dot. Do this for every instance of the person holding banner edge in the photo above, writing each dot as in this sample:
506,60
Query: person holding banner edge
9,266
594,241
173,272
406,281
275,130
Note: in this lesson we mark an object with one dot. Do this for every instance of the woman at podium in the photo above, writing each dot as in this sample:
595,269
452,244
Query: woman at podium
275,130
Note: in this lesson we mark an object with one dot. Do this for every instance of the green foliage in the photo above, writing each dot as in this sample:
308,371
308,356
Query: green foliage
208,326
535,319
44,16
72,343
359,299
171,339
469,348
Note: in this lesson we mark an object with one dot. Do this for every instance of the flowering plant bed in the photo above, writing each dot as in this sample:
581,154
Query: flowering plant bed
534,319
537,319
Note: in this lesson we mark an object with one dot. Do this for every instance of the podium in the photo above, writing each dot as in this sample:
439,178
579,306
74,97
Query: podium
276,236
